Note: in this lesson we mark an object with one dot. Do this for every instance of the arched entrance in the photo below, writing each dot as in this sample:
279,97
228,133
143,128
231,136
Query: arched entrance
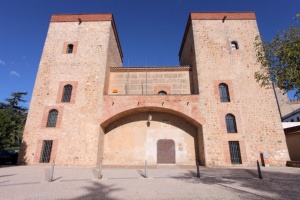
130,139
166,151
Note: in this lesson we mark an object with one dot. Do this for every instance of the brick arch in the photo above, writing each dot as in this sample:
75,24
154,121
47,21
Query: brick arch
132,111
117,107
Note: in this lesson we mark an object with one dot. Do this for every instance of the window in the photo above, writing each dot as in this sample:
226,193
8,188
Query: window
46,151
292,120
162,92
230,123
52,118
66,97
234,45
70,48
224,93
235,153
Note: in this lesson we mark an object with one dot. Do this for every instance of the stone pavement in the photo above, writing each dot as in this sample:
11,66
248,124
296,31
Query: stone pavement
163,182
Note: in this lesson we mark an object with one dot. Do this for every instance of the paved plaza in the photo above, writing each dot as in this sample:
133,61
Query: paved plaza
163,182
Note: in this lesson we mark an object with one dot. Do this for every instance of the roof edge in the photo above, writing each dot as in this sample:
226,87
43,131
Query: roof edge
89,18
214,16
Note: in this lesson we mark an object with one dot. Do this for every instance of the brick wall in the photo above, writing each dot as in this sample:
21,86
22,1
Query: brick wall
132,83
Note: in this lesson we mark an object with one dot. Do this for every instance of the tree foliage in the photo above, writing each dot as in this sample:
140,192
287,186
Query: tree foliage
280,59
12,119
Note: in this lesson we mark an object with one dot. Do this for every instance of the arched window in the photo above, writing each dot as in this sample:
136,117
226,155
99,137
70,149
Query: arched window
66,97
162,92
224,93
230,123
70,48
52,118
234,45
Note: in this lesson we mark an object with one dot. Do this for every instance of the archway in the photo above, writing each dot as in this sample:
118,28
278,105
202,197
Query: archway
132,139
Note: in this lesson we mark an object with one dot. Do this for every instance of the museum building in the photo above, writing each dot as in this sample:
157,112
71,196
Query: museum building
87,108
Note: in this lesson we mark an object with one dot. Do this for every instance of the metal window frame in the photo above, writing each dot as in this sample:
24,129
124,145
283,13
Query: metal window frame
224,93
67,93
52,118
235,152
46,151
230,123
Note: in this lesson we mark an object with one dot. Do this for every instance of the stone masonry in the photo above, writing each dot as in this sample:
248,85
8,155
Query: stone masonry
116,114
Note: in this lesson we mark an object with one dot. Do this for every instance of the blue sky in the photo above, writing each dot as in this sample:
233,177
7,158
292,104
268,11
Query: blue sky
149,30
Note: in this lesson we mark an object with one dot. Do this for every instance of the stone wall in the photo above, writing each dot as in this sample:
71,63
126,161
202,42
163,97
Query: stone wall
132,140
77,132
134,83
106,118
258,121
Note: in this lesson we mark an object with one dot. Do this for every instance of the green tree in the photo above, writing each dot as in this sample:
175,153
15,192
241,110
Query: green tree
280,59
12,119
6,129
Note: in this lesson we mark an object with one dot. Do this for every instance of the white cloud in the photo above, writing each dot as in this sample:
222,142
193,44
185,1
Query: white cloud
2,62
14,73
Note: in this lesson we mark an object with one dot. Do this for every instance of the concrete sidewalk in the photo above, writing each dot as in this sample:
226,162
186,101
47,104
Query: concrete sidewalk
31,182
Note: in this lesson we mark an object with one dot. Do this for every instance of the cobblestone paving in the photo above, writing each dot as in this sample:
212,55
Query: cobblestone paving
31,182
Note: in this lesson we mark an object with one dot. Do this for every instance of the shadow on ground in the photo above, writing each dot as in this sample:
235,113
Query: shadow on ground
274,185
98,191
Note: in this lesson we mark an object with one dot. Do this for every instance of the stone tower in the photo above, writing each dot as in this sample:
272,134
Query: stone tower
79,51
220,47
86,107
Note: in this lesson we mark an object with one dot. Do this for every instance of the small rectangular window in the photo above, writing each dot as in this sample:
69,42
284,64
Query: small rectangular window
70,48
46,151
235,153
234,45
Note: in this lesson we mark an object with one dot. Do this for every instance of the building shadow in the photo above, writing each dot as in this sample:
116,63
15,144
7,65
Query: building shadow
274,185
22,160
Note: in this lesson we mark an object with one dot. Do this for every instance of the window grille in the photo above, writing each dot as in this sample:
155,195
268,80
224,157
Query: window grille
70,48
224,93
66,97
231,123
235,153
234,45
52,118
162,92
46,151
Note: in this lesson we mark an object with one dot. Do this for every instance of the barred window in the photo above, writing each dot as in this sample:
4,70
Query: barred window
230,123
70,48
234,45
235,153
66,97
224,93
52,118
46,151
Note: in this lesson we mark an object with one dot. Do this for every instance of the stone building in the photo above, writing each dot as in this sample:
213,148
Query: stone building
86,107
